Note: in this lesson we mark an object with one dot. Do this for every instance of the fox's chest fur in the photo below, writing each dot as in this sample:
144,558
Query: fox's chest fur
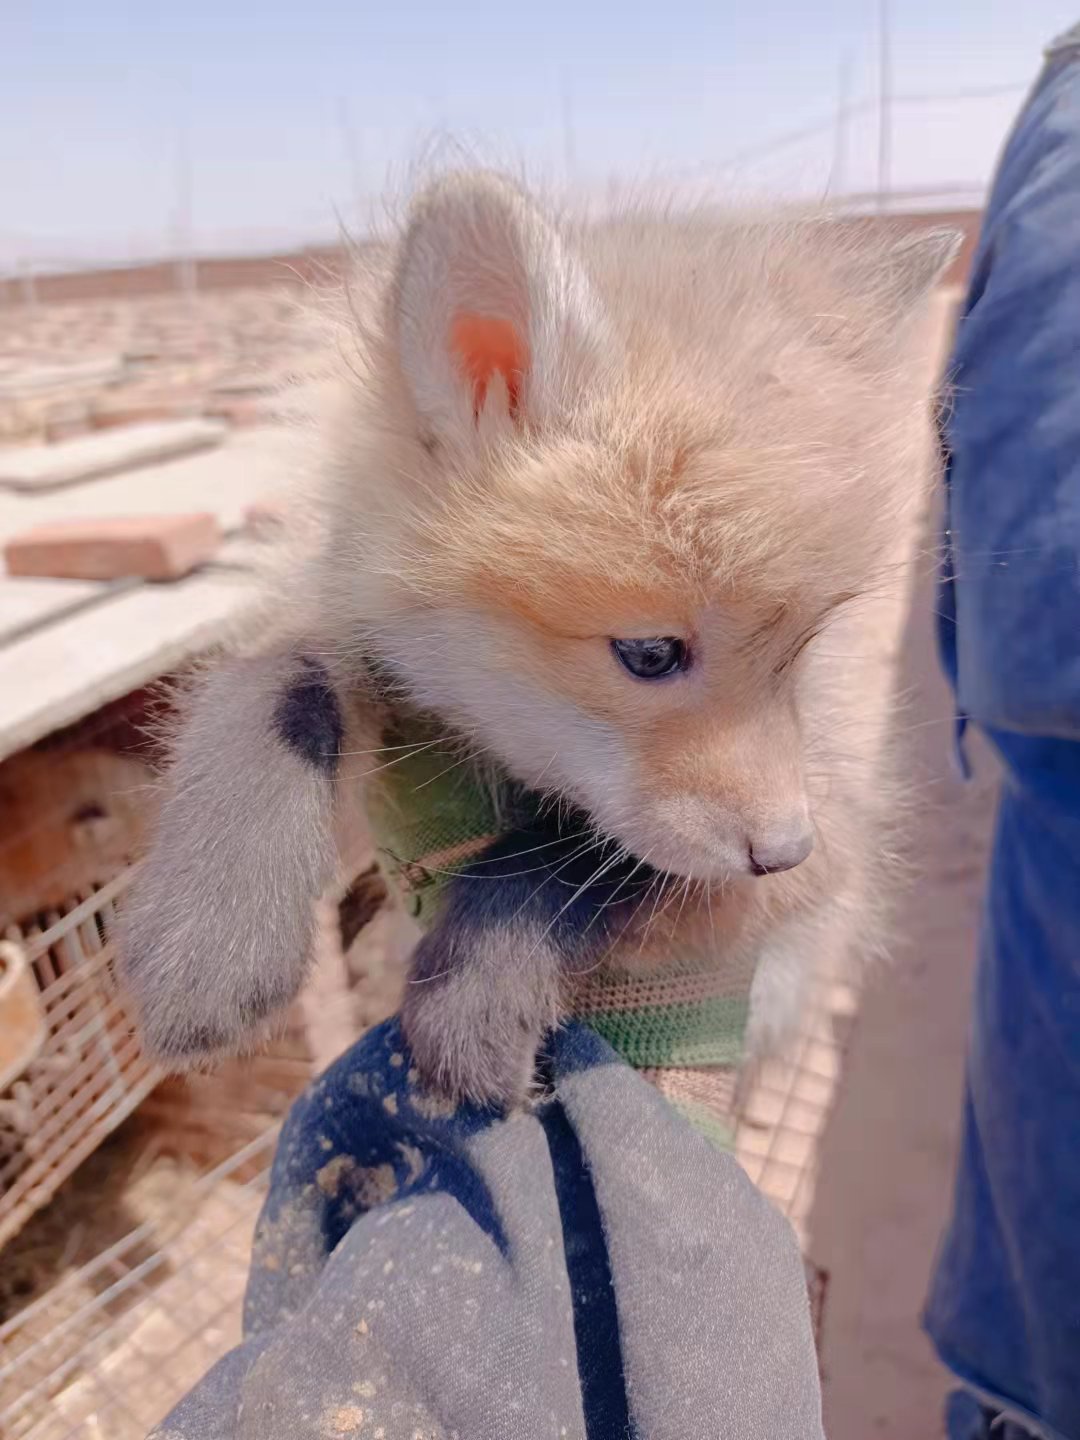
622,513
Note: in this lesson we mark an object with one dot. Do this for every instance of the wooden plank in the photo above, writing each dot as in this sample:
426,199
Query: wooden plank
33,468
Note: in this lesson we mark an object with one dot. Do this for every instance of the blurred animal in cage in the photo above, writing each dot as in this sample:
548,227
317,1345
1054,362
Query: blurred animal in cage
71,821
73,818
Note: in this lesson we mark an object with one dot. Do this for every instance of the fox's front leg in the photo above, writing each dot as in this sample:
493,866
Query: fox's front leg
486,981
217,931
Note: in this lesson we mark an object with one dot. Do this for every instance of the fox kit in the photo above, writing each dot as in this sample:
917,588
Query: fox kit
612,505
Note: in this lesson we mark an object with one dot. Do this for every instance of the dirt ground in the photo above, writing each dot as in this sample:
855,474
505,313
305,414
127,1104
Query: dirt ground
888,1153
310,265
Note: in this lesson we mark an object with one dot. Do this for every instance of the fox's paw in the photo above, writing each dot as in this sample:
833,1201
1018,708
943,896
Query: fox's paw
476,1011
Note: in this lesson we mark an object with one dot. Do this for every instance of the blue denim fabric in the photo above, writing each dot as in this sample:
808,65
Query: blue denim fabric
1004,1309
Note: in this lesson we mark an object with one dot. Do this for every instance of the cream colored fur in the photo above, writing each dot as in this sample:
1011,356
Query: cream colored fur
726,418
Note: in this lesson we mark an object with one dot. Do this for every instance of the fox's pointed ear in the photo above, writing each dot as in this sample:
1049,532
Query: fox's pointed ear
916,263
890,279
487,291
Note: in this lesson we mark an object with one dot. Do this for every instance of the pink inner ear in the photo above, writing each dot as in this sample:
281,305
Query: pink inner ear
484,345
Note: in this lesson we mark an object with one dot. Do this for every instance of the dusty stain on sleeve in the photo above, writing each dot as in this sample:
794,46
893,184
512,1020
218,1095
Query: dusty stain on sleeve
342,1420
290,1244
367,1186
433,1107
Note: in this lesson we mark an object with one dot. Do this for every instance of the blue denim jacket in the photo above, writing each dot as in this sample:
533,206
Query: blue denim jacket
1004,1310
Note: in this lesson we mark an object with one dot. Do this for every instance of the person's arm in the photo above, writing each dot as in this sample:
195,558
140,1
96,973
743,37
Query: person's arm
1013,433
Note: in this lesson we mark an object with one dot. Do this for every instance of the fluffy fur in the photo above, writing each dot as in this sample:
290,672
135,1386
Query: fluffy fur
711,427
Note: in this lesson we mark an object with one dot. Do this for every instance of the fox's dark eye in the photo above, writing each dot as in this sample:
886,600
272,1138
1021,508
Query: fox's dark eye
652,659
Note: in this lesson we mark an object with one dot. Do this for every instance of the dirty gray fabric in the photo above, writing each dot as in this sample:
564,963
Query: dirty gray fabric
593,1270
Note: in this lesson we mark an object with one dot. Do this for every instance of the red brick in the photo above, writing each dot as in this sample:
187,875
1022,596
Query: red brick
151,547
142,412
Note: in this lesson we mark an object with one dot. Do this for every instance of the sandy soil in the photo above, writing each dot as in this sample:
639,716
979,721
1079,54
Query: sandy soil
888,1152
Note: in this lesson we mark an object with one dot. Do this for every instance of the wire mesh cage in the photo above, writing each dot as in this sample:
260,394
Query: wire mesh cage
114,1342
105,1353
75,813
781,1122
110,1349
70,1069
75,1311
87,1072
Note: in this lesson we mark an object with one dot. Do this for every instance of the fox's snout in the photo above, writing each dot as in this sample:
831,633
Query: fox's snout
781,849
722,795
695,834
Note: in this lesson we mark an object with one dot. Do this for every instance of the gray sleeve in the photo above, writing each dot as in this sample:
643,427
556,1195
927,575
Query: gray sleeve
592,1270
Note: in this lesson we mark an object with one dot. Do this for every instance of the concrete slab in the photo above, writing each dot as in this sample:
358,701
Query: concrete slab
58,674
224,481
26,604
33,468
19,381
242,551
66,649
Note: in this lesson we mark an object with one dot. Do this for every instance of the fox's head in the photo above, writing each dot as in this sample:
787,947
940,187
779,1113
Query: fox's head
613,486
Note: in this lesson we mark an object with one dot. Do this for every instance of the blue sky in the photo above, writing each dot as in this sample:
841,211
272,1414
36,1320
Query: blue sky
291,111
